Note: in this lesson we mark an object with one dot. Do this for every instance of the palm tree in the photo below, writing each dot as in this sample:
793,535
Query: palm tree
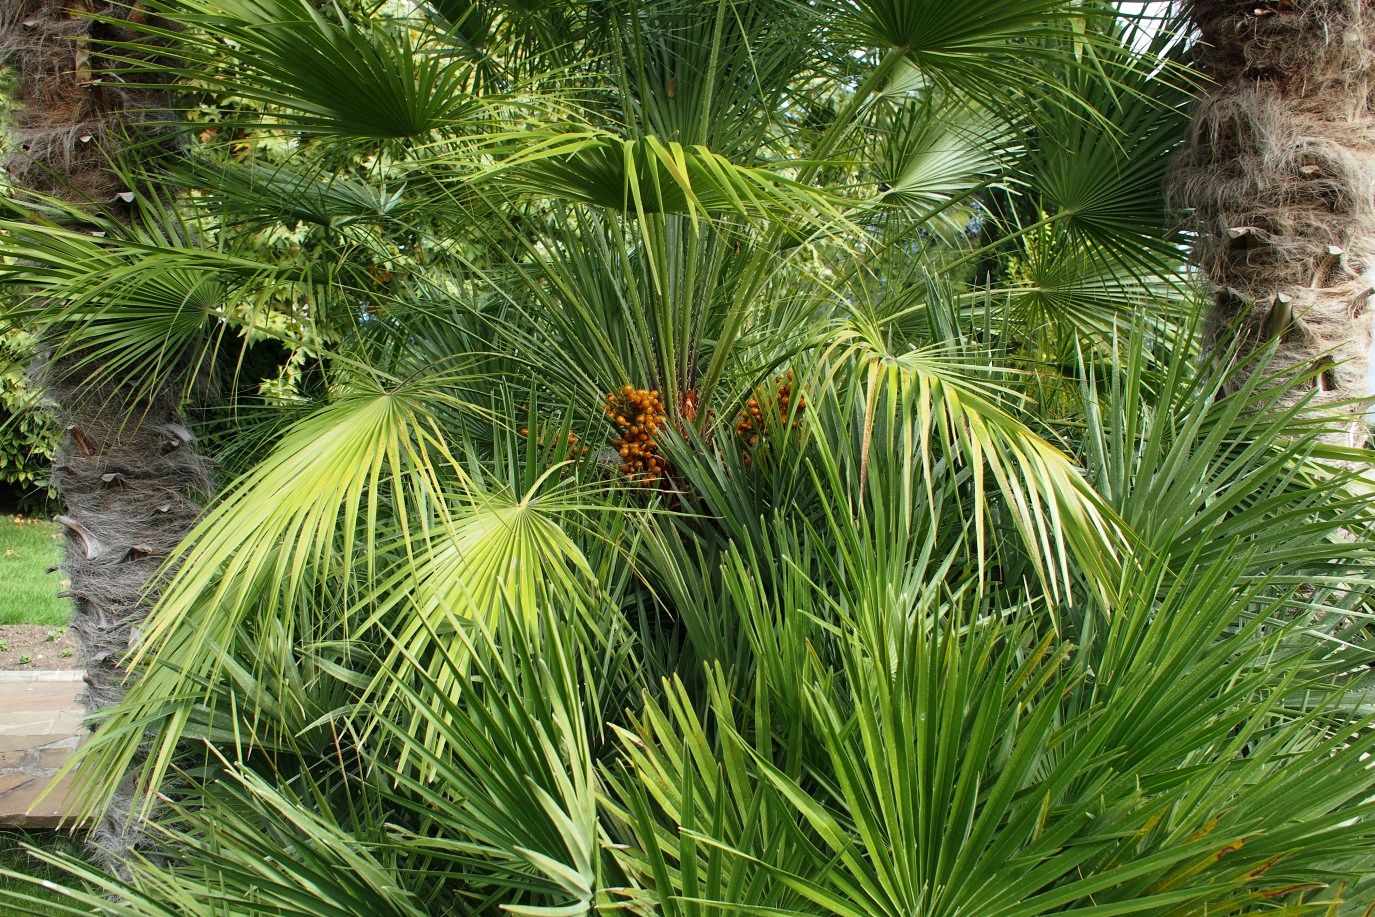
756,460
1277,177
128,473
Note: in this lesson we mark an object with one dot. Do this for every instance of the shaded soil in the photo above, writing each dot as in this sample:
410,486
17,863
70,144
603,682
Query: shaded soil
18,641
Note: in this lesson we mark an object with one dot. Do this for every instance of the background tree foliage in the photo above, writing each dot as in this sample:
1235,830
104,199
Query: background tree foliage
26,434
736,456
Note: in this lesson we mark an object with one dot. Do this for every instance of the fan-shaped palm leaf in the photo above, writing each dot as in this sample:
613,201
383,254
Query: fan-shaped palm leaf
316,70
307,518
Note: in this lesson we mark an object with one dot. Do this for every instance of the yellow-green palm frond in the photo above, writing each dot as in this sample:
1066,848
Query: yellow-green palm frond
939,406
295,534
495,559
643,175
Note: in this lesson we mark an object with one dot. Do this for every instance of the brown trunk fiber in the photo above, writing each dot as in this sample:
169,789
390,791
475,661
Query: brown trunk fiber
1278,174
127,473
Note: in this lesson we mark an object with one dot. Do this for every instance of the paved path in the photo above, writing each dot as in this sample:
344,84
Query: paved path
40,725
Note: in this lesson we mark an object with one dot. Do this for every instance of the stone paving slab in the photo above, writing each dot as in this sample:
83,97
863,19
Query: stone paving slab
40,727
27,676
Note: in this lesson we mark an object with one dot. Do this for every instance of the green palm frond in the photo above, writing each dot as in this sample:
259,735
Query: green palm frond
88,890
144,307
1064,291
932,28
269,854
717,74
271,848
508,42
304,522
1104,179
648,175
1010,48
511,781
921,406
936,153
493,557
316,70
285,193
968,763
1210,469
697,309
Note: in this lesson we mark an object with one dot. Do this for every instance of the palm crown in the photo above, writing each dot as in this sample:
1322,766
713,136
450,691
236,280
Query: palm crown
742,456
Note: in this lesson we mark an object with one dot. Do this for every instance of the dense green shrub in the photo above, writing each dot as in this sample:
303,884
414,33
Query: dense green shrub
28,434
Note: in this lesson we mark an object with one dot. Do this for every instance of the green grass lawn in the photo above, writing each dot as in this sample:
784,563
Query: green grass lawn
27,594
14,857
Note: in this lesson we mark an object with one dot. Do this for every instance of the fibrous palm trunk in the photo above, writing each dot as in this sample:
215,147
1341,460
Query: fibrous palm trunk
1278,173
127,472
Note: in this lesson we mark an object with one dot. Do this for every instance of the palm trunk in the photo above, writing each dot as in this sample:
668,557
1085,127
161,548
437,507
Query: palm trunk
127,472
1279,175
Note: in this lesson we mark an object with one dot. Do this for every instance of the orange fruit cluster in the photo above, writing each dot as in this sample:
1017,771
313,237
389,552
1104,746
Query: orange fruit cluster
750,423
640,414
573,443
